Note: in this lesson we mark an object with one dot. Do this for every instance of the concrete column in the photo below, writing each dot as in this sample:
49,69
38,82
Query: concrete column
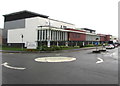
57,43
76,44
45,35
83,43
48,38
57,36
42,35
66,43
92,42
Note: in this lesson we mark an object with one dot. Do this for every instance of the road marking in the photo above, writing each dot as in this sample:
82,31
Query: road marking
10,53
57,54
55,59
17,68
100,60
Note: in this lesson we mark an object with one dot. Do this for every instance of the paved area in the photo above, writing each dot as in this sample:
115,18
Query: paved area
88,68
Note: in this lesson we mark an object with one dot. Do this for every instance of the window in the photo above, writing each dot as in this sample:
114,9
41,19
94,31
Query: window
64,27
61,27
46,34
56,35
38,35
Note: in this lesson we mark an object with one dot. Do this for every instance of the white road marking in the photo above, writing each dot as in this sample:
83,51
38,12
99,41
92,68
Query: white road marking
55,59
17,68
100,60
11,53
57,54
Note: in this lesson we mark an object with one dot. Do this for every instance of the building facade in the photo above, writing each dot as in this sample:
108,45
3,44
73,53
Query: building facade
33,29
27,27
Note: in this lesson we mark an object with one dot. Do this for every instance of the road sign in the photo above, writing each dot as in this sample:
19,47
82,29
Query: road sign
96,43
31,45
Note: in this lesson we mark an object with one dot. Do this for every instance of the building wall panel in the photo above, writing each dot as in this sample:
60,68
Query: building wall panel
76,36
92,37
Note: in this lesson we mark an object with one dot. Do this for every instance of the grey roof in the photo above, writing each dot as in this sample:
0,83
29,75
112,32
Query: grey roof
88,29
22,14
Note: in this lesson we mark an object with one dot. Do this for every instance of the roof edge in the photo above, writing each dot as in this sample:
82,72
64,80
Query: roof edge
25,11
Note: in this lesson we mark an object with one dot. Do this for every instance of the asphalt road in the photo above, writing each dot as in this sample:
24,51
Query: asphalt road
84,70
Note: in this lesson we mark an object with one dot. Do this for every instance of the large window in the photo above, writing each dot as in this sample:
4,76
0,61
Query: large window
46,34
38,35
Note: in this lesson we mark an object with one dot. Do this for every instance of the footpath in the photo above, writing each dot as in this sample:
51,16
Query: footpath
78,49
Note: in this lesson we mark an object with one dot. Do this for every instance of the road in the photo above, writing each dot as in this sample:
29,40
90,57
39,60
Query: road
88,68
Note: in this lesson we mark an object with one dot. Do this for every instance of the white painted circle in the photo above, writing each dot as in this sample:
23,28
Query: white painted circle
55,59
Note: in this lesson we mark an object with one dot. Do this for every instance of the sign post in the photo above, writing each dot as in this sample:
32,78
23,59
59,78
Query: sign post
31,45
96,44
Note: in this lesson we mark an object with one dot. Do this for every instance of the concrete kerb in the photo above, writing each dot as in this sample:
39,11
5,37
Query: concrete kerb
8,51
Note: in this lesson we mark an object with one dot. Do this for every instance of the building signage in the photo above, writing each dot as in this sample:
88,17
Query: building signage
96,43
31,45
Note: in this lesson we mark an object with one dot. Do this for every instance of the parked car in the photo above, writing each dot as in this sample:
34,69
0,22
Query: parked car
116,44
110,46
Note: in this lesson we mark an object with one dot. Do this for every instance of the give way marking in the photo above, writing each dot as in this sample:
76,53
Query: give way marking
17,68
100,60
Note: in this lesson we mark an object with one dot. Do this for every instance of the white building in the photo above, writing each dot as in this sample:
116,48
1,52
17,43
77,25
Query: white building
34,28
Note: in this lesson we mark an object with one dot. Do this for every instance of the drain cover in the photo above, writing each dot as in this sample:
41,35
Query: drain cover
55,59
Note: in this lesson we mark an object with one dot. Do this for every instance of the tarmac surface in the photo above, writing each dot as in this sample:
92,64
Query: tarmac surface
88,68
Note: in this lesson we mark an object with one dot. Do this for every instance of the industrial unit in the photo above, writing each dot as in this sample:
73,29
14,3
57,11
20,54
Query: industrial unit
32,29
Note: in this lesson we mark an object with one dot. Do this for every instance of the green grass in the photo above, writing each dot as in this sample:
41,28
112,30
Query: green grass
69,48
13,48
20,49
45,48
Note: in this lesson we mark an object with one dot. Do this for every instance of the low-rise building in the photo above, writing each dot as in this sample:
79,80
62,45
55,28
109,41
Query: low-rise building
28,27
104,38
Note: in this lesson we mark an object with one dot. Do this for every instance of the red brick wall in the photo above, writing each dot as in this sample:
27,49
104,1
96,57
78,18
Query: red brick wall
102,38
107,37
76,36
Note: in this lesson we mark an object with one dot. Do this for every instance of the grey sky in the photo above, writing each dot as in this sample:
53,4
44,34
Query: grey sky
100,15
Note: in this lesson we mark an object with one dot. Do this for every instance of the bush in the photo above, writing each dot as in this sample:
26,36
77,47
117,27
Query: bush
100,45
90,45
76,46
51,48
64,46
54,47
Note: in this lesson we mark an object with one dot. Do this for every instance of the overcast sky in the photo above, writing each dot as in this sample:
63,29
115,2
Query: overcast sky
100,15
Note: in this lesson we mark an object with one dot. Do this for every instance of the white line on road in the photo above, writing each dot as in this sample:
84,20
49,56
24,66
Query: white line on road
10,53
57,54
100,60
17,68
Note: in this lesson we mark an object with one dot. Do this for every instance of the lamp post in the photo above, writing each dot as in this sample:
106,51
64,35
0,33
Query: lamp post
22,40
